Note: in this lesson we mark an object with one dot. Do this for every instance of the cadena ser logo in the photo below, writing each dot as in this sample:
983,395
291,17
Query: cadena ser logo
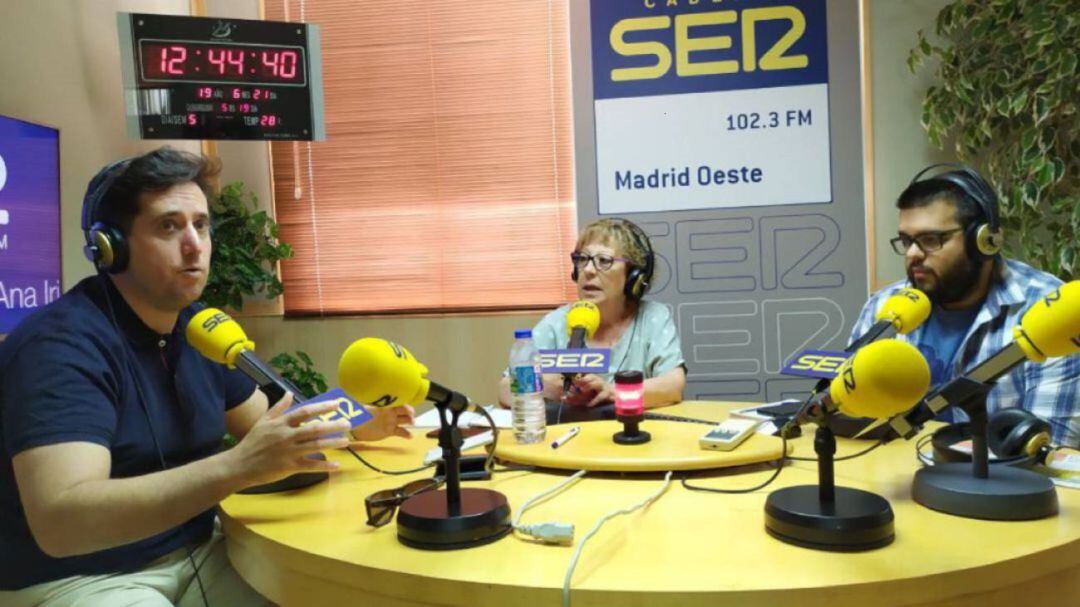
586,360
347,408
849,378
822,364
678,46
1051,297
215,320
909,294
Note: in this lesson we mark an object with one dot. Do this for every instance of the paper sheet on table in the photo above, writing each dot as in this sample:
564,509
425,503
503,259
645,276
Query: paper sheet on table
502,417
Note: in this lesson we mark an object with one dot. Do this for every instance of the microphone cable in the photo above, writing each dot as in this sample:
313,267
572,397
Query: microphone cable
779,467
136,376
489,463
547,532
921,457
577,551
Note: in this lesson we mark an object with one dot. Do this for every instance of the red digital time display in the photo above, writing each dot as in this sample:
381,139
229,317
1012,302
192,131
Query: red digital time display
176,60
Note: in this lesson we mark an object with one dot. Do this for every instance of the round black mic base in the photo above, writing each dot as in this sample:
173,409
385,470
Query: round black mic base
856,520
1008,494
292,482
631,438
424,521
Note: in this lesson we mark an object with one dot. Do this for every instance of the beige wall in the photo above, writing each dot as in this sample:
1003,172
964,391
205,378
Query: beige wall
60,66
899,142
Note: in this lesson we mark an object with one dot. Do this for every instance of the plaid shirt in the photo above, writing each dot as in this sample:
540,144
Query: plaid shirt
1050,390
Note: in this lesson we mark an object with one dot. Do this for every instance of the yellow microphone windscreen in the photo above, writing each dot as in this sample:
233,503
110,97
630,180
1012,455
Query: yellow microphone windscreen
1051,327
906,309
583,314
882,379
381,373
215,335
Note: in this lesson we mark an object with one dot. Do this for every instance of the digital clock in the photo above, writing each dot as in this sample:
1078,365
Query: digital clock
169,61
200,78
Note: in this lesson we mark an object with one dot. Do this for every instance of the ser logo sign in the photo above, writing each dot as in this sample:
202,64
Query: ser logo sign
740,29
821,364
347,408
585,360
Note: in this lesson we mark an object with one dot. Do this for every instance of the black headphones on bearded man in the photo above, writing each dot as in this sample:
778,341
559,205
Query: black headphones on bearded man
638,278
106,246
1013,435
983,238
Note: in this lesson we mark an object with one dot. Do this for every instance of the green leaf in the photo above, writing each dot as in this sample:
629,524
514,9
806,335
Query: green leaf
1029,194
1066,258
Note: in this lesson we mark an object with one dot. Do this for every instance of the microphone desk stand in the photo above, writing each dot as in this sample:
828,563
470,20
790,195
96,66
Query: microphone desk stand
452,518
978,490
827,517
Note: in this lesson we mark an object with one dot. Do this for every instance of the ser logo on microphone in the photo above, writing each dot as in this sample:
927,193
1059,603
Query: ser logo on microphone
398,350
1048,300
215,320
384,401
910,294
1051,297
849,378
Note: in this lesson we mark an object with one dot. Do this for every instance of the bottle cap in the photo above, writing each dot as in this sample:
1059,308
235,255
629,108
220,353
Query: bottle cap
629,377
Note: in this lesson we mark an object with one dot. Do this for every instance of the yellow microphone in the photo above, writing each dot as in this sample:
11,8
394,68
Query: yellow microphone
382,373
215,335
1050,327
901,313
582,320
905,310
880,380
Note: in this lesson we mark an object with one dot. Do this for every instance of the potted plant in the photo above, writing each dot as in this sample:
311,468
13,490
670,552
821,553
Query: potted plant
243,264
1007,98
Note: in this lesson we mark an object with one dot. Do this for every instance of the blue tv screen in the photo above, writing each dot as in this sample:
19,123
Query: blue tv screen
29,219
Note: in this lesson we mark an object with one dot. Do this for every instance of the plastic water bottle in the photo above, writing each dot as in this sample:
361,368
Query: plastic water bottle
526,389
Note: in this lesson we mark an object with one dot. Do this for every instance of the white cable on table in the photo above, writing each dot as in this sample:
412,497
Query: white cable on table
596,527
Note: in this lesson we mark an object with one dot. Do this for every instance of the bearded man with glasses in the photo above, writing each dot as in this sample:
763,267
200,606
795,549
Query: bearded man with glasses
950,239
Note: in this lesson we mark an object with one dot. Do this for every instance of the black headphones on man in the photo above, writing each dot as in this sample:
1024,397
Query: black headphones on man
982,239
106,246
1013,435
638,279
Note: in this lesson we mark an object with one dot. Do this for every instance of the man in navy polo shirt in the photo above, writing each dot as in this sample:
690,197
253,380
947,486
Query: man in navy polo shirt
111,424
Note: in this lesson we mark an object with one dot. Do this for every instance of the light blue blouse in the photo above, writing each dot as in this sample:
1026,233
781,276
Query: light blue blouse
650,344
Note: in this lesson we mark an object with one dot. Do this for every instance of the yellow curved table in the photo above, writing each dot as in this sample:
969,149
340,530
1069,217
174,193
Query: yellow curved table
312,547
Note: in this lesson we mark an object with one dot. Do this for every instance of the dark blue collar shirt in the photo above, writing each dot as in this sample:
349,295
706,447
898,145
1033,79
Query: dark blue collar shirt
68,373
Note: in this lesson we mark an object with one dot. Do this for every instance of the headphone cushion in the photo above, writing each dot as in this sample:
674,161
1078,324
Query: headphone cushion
987,240
111,247
634,279
1008,430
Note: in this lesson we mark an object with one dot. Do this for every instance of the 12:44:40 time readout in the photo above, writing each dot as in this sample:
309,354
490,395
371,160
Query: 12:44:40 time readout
749,121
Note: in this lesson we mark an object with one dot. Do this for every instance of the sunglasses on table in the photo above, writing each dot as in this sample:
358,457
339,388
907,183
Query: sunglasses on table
927,241
382,505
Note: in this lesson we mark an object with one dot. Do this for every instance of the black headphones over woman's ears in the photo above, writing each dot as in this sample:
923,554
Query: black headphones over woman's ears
106,246
982,239
638,279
